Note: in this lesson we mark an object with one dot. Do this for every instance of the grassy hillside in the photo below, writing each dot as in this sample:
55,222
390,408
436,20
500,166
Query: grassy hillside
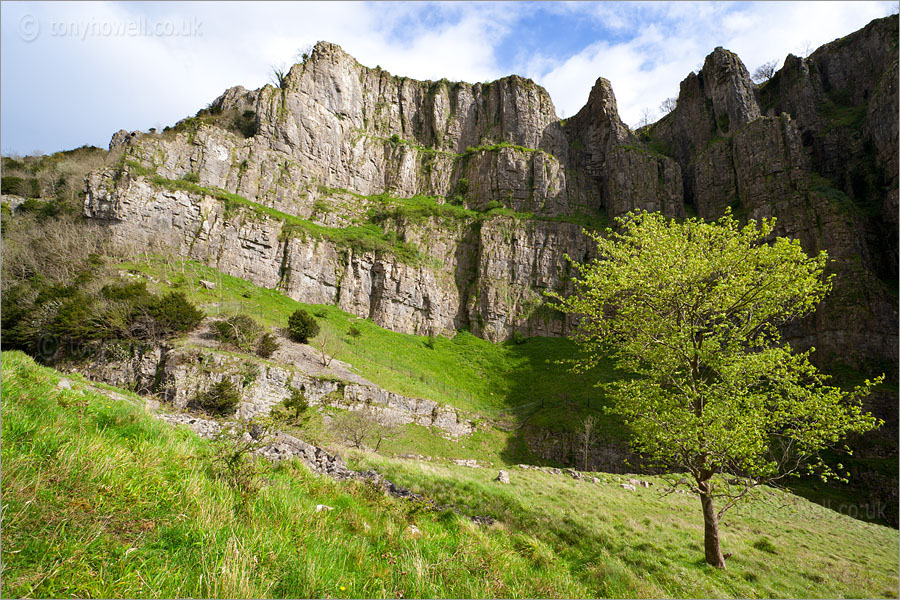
100,499
508,383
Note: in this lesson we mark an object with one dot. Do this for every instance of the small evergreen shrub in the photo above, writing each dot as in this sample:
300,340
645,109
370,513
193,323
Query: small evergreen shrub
297,403
241,331
175,313
221,399
191,177
354,331
267,345
302,326
517,337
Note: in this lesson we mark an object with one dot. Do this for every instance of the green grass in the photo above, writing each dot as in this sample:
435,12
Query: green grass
642,544
100,499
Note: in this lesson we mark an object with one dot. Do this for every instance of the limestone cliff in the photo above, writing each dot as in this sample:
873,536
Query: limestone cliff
815,147
316,186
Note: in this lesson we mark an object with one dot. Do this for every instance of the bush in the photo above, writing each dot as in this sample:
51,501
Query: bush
191,177
354,331
240,331
267,345
221,399
29,188
302,326
296,403
175,313
246,124
517,337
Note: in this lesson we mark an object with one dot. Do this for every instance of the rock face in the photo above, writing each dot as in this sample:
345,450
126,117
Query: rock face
273,184
815,147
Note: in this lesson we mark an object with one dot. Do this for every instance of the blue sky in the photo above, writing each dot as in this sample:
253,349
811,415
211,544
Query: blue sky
74,73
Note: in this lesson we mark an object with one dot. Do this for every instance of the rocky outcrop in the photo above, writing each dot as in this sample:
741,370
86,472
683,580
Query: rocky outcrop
178,374
625,173
822,161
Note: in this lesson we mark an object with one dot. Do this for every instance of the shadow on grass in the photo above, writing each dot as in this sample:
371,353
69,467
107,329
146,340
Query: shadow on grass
548,403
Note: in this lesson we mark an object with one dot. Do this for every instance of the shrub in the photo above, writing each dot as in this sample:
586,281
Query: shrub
29,188
240,331
429,342
302,326
175,313
267,345
221,399
191,177
246,124
75,320
517,337
297,403
354,331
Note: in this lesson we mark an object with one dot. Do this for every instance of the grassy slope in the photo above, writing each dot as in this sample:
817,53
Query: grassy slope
503,382
102,500
99,499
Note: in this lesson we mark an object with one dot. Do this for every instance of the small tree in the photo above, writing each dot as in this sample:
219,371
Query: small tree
586,436
668,105
326,348
296,402
358,427
646,117
267,345
220,399
175,313
279,76
691,310
302,326
241,331
764,72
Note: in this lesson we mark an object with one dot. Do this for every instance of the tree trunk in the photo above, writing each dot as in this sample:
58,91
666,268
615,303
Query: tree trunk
710,528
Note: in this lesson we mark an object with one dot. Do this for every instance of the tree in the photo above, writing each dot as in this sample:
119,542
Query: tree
646,117
764,72
357,427
691,309
302,326
304,53
297,402
668,105
325,348
586,436
279,76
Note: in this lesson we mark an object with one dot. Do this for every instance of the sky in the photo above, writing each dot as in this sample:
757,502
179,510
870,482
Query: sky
73,73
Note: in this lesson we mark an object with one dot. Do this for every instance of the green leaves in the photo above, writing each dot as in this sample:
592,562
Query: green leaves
692,309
